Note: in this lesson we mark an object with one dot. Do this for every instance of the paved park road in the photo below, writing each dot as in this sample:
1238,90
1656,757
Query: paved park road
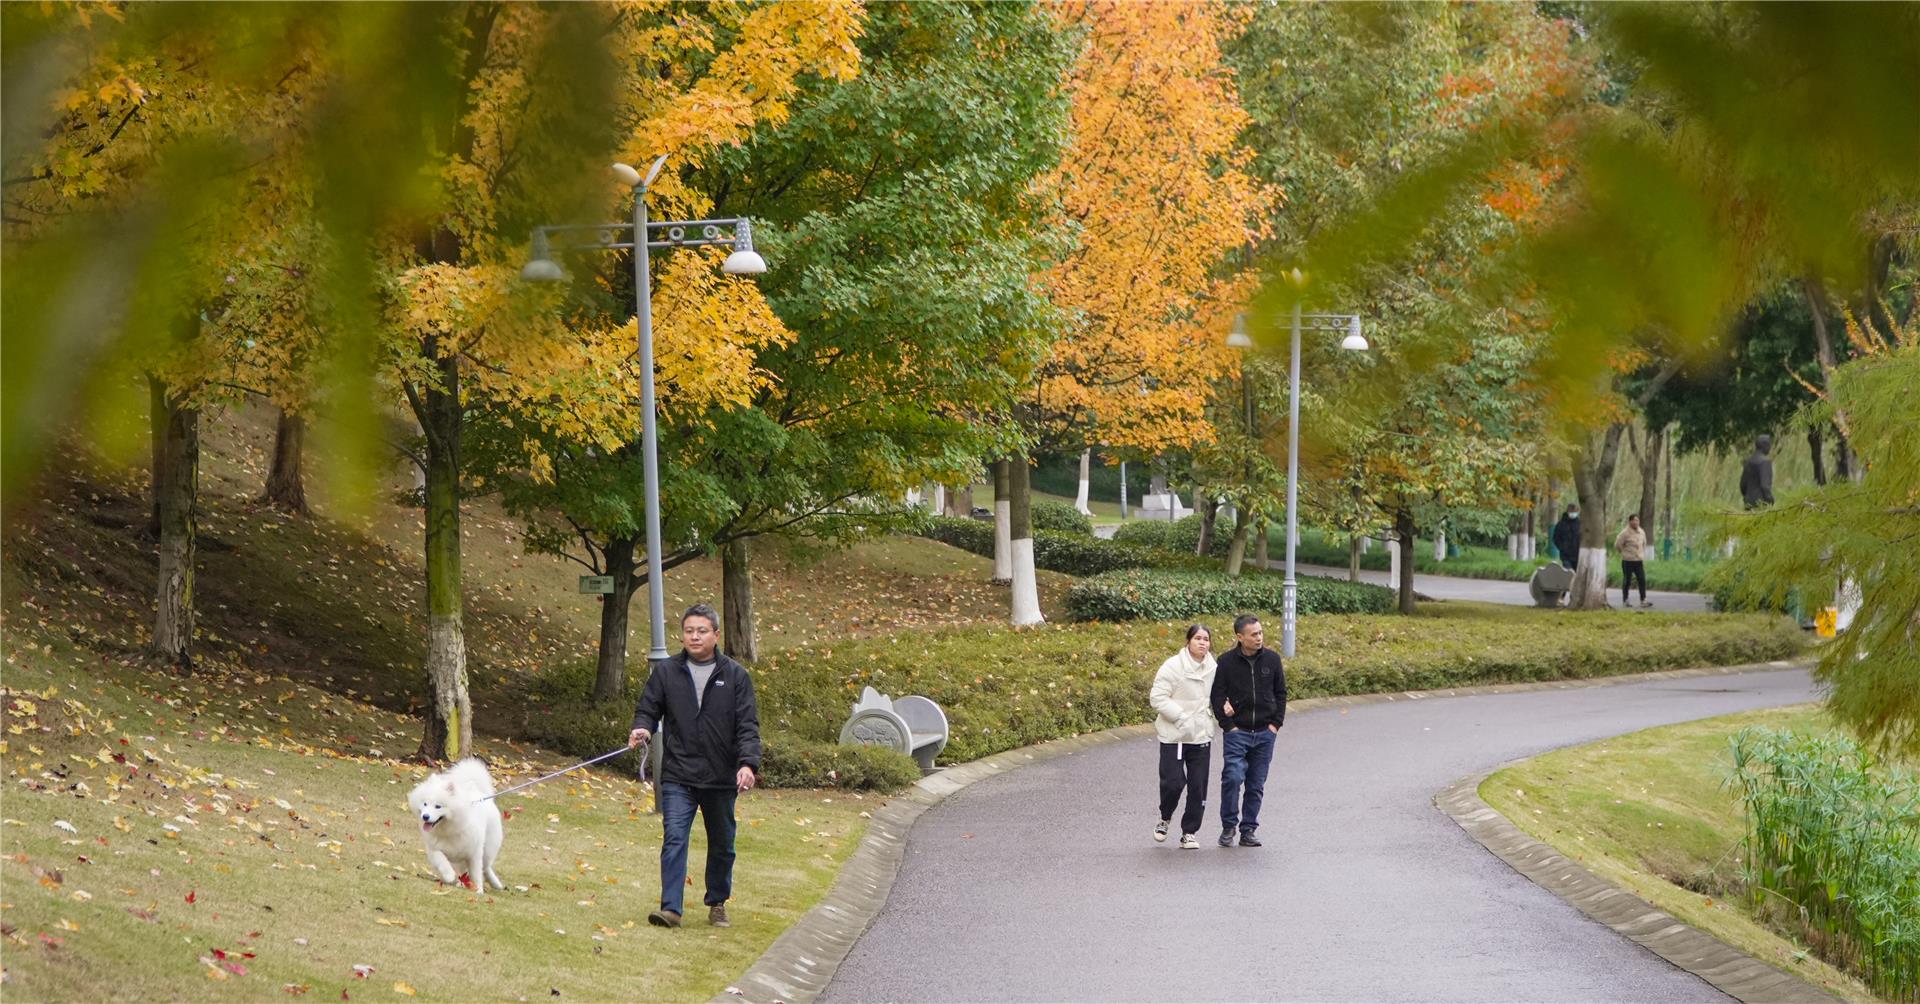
1044,883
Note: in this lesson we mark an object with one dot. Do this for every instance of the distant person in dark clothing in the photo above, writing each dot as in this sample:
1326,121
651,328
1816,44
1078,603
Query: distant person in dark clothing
1756,476
1250,702
1566,537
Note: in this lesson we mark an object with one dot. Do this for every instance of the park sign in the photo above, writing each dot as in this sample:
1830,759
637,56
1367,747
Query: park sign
596,584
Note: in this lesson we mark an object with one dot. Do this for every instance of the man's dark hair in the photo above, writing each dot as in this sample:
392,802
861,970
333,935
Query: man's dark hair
1194,629
702,610
1240,623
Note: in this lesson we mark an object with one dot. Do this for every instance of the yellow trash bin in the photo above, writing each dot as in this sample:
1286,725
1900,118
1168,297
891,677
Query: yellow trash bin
1826,621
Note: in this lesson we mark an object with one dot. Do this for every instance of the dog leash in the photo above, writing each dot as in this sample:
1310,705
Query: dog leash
557,773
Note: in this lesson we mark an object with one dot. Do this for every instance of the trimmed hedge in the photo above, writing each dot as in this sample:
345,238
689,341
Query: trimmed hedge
1156,594
1055,551
1004,687
1144,533
1048,514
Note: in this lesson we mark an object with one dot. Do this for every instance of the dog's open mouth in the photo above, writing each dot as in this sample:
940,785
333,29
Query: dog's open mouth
428,824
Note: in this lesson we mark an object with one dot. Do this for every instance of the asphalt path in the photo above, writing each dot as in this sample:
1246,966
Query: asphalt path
1044,883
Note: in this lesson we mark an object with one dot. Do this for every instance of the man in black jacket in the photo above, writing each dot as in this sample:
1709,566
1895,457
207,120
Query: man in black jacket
1566,538
703,702
1250,701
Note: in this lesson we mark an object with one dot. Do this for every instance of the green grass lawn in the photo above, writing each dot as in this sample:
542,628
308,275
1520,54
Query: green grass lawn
1651,812
1103,512
229,836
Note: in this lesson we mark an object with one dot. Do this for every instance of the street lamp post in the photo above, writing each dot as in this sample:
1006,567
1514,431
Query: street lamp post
665,234
1353,342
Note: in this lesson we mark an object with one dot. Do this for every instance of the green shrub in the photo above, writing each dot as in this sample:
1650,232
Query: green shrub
1070,553
1156,594
1143,533
791,761
1061,517
1183,536
1833,851
1004,687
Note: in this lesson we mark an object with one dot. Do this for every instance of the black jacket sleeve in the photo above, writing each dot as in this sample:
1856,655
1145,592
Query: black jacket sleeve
746,724
653,700
1217,696
1280,689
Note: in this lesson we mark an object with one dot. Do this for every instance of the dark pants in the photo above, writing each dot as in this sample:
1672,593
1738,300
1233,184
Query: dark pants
1571,559
1629,571
677,802
1183,767
1244,757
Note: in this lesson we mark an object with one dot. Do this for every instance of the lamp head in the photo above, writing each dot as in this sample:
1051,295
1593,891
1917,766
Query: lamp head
1354,342
542,267
744,260
1237,338
627,175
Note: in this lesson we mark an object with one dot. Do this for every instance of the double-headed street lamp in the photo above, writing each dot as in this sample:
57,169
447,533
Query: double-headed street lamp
736,233
1353,342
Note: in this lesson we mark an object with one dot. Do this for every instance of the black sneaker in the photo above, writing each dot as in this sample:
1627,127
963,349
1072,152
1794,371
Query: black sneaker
1226,838
1247,839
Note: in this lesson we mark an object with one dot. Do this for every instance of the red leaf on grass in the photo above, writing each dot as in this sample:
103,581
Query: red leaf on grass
192,894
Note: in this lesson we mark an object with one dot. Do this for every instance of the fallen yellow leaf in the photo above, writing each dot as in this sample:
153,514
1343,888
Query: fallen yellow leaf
402,987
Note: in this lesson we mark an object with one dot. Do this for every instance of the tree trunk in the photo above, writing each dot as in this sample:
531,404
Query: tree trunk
1353,559
449,715
1650,478
1237,548
1593,469
736,600
1209,512
960,501
1086,471
157,417
1026,588
1815,450
1816,295
1404,531
610,674
1002,522
176,495
1262,544
1439,546
285,486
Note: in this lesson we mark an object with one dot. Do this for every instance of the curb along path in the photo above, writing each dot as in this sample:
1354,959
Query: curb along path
804,962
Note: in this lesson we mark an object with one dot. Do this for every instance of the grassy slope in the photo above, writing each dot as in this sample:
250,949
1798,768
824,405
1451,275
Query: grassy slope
1649,812
276,808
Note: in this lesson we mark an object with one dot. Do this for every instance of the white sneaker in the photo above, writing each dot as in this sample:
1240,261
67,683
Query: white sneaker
1188,843
1160,832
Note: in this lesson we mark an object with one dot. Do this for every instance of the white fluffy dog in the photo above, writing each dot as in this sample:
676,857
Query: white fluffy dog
460,824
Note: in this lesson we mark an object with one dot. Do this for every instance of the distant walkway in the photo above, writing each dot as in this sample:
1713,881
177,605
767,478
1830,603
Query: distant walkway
1449,587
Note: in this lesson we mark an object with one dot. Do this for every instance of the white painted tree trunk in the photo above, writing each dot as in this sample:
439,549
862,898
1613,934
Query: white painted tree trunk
1440,546
1589,581
1086,464
1847,603
1003,540
1513,547
1393,561
1526,547
939,499
1366,545
1026,589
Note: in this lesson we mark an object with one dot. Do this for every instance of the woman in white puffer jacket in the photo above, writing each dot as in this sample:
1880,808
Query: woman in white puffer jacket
1185,723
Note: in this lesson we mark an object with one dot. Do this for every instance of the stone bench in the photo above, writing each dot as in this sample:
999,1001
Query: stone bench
912,725
1549,584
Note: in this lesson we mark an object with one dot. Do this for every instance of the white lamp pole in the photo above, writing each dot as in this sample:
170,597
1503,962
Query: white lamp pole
641,237
1353,342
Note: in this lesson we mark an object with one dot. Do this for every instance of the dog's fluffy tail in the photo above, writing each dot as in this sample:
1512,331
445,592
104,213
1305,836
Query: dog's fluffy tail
471,775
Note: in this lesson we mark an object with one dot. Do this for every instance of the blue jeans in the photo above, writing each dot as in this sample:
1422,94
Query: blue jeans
677,802
1244,758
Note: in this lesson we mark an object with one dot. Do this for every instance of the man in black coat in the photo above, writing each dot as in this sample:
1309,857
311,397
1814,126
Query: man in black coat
703,704
1566,537
1249,699
1756,475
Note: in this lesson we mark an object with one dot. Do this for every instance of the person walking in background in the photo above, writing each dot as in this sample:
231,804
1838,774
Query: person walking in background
1184,721
1249,701
1632,545
1566,538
